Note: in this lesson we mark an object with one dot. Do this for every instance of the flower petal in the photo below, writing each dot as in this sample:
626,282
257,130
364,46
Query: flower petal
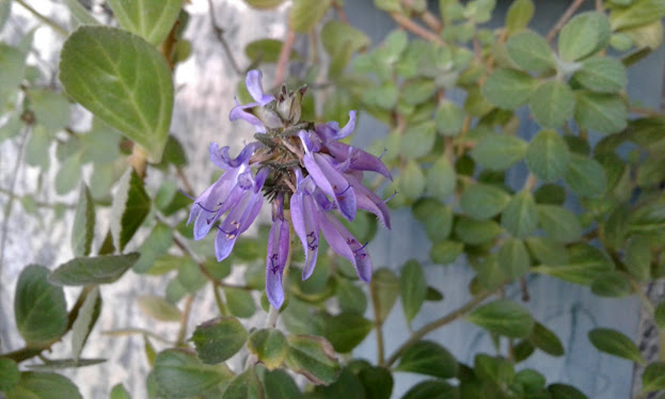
255,88
238,112
278,249
341,189
220,156
348,128
305,224
361,160
345,244
369,201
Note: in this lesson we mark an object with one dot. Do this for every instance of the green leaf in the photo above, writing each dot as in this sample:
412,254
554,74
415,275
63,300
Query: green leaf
611,284
499,151
39,307
659,316
346,331
449,118
131,205
190,276
547,156
118,391
244,386
240,302
412,180
549,193
653,378
36,385
105,269
552,104
520,217
476,232
270,347
585,34
5,11
158,308
351,298
562,391
638,257
12,71
37,149
347,385
312,357
496,370
585,264
640,13
267,50
10,374
150,19
305,14
508,88
418,140
219,339
559,223
648,219
179,374
428,358
83,230
79,15
545,340
615,343
111,56
155,245
388,5
413,288
482,201
519,16
436,217
264,4
69,175
531,52
585,176
378,382
85,321
51,109
604,113
441,179
384,288
603,75
446,251
432,389
503,317
514,259
278,384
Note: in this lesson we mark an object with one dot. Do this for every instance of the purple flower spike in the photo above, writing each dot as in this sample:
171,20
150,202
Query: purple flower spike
305,217
278,249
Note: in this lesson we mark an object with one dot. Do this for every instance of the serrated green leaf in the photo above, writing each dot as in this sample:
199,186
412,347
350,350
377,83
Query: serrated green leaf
482,201
585,264
36,385
155,245
105,269
638,257
244,386
514,259
446,251
449,118
508,88
520,217
346,331
278,384
559,223
83,230
384,288
602,74
240,302
547,156
604,113
441,179
498,151
158,308
611,284
531,52
640,12
150,19
585,34
384,96
190,276
552,104
131,205
377,381
615,343
428,358
412,180
40,308
585,176
418,140
562,391
436,217
178,373
219,339
267,50
413,288
312,357
503,317
545,340
432,389
305,14
270,347
118,391
10,374
85,321
51,109
112,54
653,377
351,298
496,370
476,232
647,219
519,16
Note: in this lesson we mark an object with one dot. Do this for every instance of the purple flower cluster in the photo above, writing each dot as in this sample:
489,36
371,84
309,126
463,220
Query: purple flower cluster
298,164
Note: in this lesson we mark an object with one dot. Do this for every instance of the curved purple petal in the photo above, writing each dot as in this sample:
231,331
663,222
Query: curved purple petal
361,160
311,142
278,249
305,224
369,201
220,156
255,87
335,238
341,188
348,128
345,244
238,112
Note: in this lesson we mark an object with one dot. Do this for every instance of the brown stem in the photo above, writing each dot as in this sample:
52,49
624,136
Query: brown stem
184,320
219,33
169,44
184,180
340,12
526,297
413,27
564,18
426,329
283,60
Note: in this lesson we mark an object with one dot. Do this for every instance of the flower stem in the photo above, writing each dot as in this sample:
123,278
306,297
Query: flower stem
447,319
43,18
284,54
223,310
184,320
378,324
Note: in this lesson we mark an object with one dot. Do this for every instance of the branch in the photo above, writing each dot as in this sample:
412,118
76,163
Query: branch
59,29
413,27
219,32
564,18
447,319
283,61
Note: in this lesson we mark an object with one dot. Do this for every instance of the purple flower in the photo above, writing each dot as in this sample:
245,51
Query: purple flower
296,162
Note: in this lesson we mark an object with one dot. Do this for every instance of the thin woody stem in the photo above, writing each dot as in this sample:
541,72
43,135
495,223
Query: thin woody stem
564,18
413,27
62,31
283,60
219,32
